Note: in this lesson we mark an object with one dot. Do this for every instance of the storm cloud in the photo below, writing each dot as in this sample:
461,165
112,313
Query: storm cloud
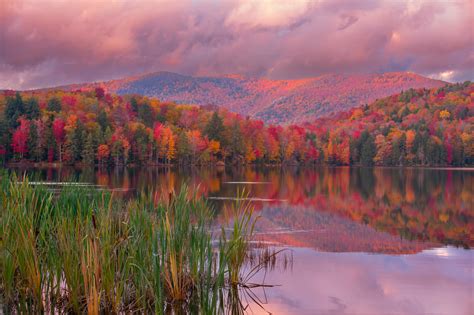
53,42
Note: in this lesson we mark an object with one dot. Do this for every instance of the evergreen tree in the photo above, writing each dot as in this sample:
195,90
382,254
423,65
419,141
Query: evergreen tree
32,109
237,147
435,152
33,142
403,144
183,147
395,156
107,135
134,104
54,105
50,143
78,141
214,128
419,147
141,141
368,152
355,148
146,115
14,109
88,153
102,120
4,140
117,151
458,151
353,151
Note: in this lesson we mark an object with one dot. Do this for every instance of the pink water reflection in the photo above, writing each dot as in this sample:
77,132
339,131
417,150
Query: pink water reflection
438,281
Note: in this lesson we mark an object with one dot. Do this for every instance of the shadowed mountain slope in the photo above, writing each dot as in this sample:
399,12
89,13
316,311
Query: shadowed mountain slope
273,101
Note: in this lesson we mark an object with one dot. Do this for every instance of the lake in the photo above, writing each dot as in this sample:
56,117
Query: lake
359,240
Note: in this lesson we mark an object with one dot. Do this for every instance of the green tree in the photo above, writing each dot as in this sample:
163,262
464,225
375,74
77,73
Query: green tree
50,142
458,151
395,156
435,152
102,120
88,152
14,109
117,151
419,147
353,151
33,142
368,151
355,147
134,104
142,141
54,105
4,140
78,141
32,109
105,136
215,128
183,147
236,145
146,115
403,149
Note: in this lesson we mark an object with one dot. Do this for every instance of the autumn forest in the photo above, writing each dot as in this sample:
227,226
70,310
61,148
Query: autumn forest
416,127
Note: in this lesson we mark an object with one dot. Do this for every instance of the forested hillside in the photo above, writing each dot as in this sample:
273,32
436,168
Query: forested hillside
273,101
416,127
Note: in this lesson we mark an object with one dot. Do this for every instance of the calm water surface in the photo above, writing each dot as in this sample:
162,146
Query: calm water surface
362,240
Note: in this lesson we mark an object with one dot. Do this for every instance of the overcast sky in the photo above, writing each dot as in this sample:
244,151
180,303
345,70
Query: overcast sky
52,42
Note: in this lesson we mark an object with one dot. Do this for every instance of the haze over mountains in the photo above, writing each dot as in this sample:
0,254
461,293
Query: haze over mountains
273,101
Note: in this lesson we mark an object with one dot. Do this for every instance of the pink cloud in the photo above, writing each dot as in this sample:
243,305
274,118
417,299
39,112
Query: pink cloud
52,42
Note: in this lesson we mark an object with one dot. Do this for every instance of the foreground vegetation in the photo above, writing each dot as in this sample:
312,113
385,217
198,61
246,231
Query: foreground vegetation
415,127
83,251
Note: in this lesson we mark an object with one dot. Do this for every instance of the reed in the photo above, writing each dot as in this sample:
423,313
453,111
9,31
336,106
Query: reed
242,224
80,250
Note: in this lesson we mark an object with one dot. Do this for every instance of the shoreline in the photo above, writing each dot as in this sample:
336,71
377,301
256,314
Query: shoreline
58,165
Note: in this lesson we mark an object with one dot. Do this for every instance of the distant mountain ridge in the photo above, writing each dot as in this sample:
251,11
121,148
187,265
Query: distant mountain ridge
273,101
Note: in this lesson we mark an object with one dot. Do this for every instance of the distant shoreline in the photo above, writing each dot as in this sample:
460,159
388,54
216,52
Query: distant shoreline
46,165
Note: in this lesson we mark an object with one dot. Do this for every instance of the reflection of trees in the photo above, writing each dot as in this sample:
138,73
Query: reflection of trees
425,204
302,226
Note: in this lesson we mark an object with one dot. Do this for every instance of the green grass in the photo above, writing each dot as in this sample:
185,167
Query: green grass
82,251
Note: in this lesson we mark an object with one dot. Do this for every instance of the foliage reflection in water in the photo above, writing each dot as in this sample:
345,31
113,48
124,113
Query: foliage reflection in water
425,205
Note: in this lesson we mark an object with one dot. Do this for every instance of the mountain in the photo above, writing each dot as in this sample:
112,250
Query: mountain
273,101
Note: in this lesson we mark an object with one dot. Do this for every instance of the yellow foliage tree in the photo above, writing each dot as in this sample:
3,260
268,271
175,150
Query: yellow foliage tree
249,153
444,114
214,146
171,149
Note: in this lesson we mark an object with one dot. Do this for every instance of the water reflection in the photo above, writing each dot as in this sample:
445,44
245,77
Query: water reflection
429,206
361,240
364,284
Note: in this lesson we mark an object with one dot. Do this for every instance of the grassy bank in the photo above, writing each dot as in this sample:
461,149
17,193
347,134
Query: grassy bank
84,251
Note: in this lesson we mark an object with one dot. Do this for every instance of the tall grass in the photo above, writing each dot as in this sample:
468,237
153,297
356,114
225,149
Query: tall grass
84,251
242,222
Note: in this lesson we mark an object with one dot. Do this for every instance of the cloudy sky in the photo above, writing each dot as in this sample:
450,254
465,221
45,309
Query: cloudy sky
51,42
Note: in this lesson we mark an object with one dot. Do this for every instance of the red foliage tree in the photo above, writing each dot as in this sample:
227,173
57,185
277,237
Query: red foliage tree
20,138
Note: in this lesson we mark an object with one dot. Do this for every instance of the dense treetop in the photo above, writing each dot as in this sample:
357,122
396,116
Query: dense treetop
416,127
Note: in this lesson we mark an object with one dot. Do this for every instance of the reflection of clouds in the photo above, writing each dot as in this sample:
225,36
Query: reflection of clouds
321,283
442,252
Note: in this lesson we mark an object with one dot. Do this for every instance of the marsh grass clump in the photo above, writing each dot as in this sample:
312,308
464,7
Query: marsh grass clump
80,250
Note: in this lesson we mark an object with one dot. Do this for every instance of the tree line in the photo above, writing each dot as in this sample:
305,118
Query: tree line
415,127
